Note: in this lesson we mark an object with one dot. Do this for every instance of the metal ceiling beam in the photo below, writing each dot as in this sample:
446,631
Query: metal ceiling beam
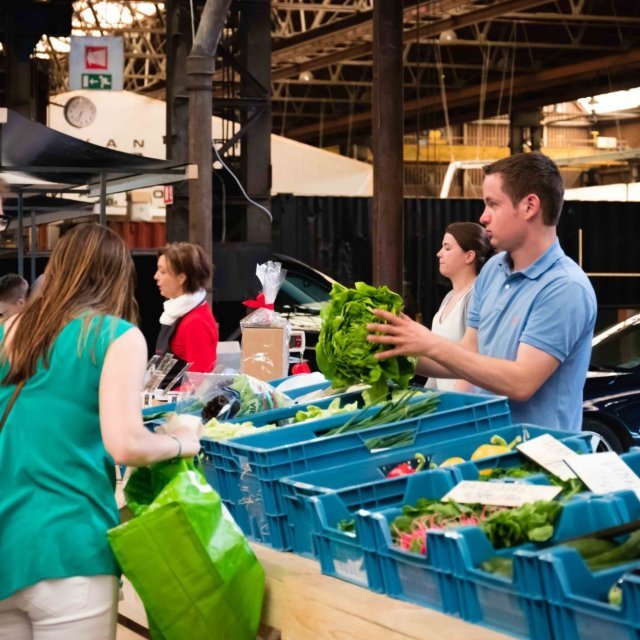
470,95
432,29
304,6
337,33
570,17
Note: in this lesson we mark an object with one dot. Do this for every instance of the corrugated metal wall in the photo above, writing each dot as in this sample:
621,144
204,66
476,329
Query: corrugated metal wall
332,234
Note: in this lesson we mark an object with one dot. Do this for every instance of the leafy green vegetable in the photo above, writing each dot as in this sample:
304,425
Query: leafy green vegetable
523,471
343,353
348,526
315,413
219,431
569,487
499,565
256,396
530,522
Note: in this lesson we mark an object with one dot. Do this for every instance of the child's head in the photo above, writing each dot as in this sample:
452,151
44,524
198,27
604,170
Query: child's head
13,294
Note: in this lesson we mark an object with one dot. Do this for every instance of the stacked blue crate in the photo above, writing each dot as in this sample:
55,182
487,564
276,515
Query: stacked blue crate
364,485
518,605
356,556
247,511
509,605
251,467
369,557
578,605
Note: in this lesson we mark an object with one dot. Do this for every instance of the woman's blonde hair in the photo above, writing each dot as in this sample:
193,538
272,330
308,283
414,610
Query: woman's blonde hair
90,272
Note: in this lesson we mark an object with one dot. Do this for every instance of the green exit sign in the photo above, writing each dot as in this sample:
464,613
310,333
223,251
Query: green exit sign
96,81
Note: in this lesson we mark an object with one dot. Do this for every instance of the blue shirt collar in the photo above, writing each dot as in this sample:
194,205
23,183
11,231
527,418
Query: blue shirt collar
536,269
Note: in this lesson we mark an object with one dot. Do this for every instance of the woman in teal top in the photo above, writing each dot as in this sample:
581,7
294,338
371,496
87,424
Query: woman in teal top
74,363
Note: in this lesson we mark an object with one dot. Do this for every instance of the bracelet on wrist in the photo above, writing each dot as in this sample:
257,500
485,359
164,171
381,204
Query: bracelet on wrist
178,455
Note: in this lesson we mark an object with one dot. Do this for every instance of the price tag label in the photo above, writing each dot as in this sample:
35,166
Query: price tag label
550,454
604,472
500,494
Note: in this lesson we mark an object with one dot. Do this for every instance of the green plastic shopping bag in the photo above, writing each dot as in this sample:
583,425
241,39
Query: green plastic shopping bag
189,562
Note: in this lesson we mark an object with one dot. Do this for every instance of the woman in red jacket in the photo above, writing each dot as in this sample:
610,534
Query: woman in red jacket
187,326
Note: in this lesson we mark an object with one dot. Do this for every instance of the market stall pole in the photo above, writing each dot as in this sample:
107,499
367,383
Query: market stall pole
303,604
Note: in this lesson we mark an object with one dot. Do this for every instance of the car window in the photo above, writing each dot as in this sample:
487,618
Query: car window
291,296
619,350
315,291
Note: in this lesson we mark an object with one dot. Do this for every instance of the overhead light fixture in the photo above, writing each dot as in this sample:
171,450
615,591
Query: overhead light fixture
305,76
448,35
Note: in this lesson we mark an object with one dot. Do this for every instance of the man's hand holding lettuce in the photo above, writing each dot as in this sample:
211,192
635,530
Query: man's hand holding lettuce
344,354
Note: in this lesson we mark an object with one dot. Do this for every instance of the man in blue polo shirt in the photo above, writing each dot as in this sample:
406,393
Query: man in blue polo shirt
533,310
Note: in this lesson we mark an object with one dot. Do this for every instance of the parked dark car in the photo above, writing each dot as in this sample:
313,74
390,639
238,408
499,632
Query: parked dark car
612,389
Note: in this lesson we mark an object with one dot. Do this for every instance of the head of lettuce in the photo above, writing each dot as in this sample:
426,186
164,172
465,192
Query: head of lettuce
344,354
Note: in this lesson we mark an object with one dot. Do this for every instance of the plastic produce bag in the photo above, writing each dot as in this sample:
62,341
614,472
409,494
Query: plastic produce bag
186,557
225,396
271,275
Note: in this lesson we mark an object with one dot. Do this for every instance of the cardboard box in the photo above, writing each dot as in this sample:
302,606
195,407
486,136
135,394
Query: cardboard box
265,352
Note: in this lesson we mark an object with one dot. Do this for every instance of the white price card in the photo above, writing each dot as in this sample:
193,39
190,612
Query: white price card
550,454
500,494
604,472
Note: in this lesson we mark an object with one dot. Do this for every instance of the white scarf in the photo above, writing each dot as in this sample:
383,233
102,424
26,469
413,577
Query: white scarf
175,308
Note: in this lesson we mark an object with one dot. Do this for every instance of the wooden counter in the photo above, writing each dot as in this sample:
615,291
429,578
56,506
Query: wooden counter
305,605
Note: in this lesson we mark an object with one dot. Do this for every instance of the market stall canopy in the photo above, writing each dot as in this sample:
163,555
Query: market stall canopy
37,158
47,209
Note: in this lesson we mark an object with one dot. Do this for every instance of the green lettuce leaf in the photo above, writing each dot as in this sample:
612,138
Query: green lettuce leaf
343,353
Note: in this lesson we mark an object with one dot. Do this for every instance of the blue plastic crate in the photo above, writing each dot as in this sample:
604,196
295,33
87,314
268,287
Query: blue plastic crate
519,606
421,579
454,555
300,391
282,415
578,606
250,468
343,555
368,557
364,485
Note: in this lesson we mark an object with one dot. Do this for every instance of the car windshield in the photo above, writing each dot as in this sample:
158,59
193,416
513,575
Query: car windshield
302,293
618,351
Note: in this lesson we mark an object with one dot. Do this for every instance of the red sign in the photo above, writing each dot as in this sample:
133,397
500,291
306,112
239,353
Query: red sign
168,194
96,58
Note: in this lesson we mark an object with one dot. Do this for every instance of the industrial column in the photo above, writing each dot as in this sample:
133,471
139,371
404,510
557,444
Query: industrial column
388,206
255,57
179,42
200,67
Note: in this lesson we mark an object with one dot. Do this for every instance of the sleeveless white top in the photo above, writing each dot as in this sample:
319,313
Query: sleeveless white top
452,327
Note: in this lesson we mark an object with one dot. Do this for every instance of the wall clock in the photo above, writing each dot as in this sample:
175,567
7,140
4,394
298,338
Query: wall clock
80,111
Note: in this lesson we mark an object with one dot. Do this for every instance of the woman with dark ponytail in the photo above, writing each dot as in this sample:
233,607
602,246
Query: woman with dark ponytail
465,249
